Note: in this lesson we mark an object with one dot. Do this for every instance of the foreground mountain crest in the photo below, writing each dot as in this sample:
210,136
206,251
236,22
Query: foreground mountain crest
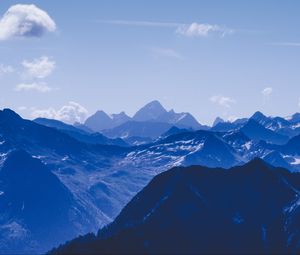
247,209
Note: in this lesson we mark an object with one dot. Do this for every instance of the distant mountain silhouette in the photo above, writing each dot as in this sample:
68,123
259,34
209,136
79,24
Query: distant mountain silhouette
295,118
251,209
100,121
80,134
139,129
217,121
150,112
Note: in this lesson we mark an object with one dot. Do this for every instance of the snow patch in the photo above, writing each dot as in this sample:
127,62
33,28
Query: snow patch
296,161
248,145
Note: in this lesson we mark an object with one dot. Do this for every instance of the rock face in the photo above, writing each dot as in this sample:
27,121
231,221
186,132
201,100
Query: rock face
249,209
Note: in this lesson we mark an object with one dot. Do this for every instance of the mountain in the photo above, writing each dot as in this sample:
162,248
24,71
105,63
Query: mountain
138,129
295,118
226,126
260,118
183,119
150,112
100,121
273,123
214,153
217,121
76,164
279,125
58,125
256,131
275,158
292,146
80,134
174,131
119,119
251,209
155,112
34,205
103,178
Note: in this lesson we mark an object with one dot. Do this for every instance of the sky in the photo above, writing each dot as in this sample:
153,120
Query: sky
211,58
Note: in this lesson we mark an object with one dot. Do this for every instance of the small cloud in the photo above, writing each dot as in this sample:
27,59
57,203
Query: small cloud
39,87
22,20
4,69
166,52
70,113
39,68
202,30
191,30
266,92
299,102
222,101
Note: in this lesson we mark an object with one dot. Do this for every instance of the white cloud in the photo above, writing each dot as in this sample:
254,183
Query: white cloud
40,87
39,68
70,113
299,102
222,101
266,92
22,20
4,69
191,30
166,52
202,30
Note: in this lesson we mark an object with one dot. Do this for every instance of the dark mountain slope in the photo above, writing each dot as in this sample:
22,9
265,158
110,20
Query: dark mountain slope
245,210
34,204
257,132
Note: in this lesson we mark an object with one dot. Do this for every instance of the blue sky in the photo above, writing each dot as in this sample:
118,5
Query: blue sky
210,58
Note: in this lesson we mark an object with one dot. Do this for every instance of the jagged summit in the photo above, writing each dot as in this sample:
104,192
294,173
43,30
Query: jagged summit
258,116
150,111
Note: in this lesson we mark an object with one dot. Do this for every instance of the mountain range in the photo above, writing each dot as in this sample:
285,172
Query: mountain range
97,175
152,116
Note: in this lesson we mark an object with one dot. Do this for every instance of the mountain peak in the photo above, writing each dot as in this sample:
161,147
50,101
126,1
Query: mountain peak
258,116
217,121
98,121
150,111
7,113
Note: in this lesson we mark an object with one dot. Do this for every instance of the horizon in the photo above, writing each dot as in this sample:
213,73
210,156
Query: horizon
168,110
226,57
